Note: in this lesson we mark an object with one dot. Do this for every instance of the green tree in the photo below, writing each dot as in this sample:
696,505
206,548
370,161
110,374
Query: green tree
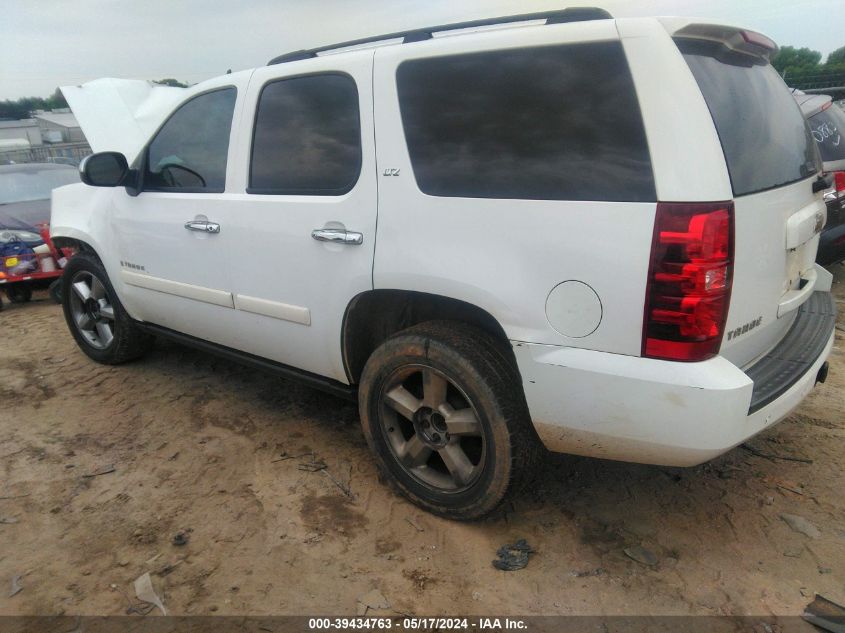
790,58
12,110
55,100
23,107
836,58
170,82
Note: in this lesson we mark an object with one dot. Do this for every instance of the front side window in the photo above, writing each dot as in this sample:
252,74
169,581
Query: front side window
549,123
307,137
190,151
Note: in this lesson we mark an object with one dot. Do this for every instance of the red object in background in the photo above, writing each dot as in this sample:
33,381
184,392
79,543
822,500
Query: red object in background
56,253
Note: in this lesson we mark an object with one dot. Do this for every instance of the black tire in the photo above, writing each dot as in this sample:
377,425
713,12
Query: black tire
483,385
127,340
19,293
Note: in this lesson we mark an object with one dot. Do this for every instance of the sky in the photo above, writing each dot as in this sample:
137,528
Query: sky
50,43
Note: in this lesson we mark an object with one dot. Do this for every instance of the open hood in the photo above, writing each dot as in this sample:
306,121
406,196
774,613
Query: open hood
120,114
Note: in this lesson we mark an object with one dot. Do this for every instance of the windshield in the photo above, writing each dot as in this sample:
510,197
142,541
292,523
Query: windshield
34,184
765,139
827,127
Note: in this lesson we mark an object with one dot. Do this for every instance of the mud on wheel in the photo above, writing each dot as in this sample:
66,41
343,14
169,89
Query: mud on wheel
95,316
443,410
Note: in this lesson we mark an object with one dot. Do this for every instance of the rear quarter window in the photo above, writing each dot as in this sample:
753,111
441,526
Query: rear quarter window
764,137
551,123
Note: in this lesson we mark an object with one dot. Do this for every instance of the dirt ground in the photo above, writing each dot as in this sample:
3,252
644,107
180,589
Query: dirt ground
220,454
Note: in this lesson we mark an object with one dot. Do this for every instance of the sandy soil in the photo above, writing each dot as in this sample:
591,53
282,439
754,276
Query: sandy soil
198,445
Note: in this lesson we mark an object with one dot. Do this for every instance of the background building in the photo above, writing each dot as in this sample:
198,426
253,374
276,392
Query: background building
24,130
59,126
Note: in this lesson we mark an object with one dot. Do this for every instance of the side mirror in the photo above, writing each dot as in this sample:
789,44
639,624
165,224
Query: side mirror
104,169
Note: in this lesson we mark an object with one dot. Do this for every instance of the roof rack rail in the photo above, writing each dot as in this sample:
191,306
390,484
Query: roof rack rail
560,16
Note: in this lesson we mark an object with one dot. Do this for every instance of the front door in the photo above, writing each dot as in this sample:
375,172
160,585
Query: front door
172,240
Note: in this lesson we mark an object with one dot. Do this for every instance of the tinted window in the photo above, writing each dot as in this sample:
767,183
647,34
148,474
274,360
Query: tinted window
189,152
827,128
307,137
765,139
551,123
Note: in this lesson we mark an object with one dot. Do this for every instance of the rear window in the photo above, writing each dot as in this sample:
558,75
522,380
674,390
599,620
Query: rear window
764,136
827,128
548,123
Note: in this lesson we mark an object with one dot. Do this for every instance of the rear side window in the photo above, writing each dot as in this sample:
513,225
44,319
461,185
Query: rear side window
307,137
765,139
190,151
544,123
827,128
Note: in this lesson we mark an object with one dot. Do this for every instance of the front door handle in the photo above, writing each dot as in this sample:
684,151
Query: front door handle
202,225
341,236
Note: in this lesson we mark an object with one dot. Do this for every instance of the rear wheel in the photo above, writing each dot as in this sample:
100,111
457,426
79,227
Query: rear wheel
95,316
19,293
442,409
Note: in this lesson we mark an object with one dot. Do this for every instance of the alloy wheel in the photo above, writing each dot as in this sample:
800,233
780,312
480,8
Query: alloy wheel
432,429
93,313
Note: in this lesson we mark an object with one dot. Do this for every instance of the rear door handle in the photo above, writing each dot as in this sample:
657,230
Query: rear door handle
202,225
341,236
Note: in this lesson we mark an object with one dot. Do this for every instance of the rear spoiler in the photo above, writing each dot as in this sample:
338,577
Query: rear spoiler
733,37
812,104
120,114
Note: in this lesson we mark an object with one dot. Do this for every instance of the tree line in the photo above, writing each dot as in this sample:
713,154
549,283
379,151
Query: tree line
802,67
20,108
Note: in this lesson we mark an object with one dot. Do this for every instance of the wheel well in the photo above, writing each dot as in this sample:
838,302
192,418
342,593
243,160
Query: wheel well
71,242
373,316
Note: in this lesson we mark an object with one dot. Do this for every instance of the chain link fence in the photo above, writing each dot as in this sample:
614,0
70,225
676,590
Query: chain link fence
65,153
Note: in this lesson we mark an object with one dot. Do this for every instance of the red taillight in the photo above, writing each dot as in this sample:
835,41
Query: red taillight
689,280
839,181
759,40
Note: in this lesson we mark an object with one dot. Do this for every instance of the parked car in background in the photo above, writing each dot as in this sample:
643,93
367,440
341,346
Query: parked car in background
24,205
25,193
827,124
594,234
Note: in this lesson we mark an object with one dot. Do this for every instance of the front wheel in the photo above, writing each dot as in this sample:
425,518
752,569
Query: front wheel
442,408
95,316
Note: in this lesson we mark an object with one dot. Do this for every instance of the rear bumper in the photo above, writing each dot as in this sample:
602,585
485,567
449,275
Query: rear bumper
660,412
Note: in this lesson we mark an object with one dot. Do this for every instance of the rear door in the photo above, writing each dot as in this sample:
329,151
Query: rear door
303,223
773,163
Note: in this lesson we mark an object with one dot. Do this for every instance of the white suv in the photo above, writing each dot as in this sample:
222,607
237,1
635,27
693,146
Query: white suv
591,234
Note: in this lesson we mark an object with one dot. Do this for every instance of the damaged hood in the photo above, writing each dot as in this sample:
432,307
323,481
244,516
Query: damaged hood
120,114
